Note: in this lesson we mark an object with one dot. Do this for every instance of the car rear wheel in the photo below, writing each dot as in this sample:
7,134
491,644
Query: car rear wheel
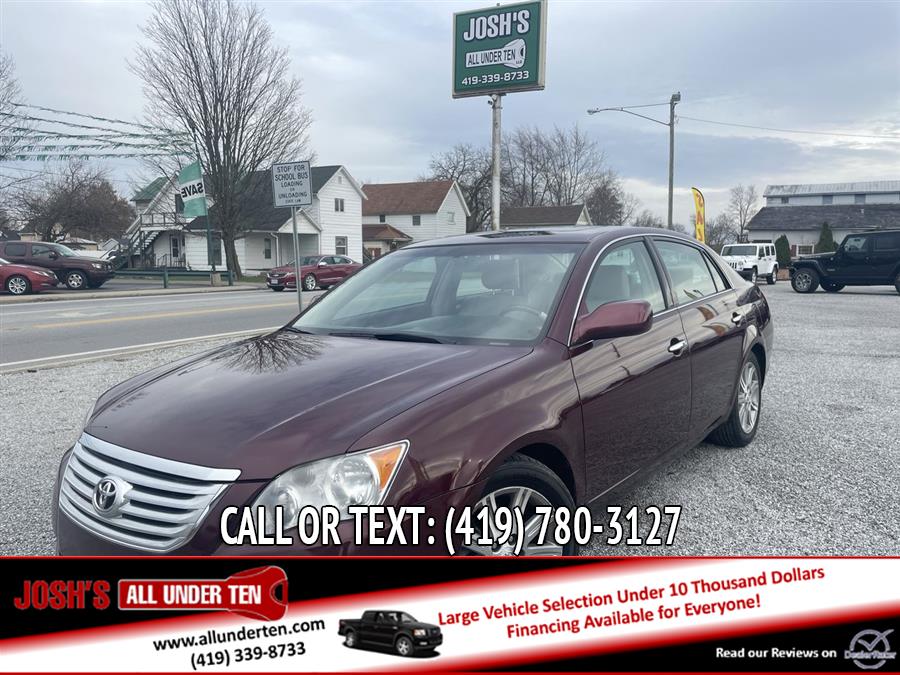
743,421
404,646
523,483
350,639
309,282
18,285
805,280
754,275
773,277
76,280
832,288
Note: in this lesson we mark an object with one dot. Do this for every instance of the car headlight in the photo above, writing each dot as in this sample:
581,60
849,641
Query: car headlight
48,274
356,479
419,632
97,266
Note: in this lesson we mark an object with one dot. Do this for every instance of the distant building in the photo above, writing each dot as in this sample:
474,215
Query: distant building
381,239
420,210
516,217
799,211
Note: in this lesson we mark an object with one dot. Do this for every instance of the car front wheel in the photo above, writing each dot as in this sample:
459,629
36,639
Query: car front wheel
743,421
754,275
404,646
522,483
350,639
773,277
76,280
18,285
309,282
805,280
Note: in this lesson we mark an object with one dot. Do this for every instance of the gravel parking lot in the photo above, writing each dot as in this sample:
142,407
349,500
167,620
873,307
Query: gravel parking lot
820,479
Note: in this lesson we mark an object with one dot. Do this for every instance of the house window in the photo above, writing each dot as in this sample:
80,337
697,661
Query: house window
827,199
340,245
784,200
805,249
339,205
382,218
451,216
417,220
859,199
340,180
267,248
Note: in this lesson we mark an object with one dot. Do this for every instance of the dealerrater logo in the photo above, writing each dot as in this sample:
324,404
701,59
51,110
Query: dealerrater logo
870,649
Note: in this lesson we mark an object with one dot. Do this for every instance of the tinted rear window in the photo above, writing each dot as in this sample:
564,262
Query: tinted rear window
15,249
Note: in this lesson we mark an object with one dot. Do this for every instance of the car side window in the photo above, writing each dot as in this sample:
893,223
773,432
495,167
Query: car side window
887,242
624,273
718,277
15,249
688,271
40,251
855,244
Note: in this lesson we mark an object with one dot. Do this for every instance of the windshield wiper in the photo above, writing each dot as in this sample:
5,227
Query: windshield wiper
398,337
294,329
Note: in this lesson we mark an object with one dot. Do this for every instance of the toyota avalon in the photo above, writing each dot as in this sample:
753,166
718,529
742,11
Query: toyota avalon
517,368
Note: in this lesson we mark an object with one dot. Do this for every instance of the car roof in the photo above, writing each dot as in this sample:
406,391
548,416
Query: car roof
549,235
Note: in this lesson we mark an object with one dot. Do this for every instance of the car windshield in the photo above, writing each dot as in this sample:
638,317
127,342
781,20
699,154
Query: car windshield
406,618
739,250
307,260
472,294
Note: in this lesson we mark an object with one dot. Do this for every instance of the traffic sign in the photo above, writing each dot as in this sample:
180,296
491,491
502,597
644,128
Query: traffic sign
291,184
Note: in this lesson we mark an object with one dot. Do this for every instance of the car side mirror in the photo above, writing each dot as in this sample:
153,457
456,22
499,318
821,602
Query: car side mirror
612,320
322,263
53,255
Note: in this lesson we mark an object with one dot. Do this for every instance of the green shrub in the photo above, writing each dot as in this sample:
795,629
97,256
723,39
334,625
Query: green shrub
783,252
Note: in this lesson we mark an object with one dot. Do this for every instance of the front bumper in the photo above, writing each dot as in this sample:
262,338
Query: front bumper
424,644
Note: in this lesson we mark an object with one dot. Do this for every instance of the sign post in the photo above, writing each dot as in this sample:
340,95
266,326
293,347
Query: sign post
292,187
498,50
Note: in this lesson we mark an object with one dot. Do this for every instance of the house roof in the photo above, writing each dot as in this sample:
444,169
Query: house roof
8,235
874,186
149,191
540,216
424,196
257,208
841,216
383,232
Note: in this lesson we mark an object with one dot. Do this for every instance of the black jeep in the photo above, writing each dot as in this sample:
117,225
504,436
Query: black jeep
867,259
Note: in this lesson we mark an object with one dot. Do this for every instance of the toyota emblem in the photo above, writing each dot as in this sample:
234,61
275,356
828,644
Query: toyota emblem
109,495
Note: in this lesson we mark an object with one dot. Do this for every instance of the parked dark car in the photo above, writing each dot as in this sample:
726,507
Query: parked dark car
75,271
316,271
391,629
866,259
513,368
21,279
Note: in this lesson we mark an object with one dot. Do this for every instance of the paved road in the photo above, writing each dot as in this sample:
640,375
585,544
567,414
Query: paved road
40,330
820,478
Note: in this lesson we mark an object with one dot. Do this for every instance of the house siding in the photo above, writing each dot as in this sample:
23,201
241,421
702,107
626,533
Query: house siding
347,223
433,225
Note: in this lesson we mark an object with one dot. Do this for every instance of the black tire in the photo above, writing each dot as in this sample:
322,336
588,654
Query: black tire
805,280
527,472
897,282
76,280
832,288
404,646
754,276
350,639
773,277
732,433
309,283
277,289
17,284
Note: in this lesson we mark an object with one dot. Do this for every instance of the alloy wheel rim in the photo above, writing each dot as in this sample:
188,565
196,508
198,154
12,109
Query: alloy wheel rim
526,500
351,639
75,280
403,646
17,286
803,281
310,283
748,398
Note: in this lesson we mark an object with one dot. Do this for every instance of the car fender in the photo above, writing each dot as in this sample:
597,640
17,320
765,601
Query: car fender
814,264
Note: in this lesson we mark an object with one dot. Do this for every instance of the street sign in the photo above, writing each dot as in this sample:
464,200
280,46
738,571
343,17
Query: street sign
499,49
291,184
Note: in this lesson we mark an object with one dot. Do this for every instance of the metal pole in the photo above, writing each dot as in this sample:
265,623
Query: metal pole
676,97
495,161
297,280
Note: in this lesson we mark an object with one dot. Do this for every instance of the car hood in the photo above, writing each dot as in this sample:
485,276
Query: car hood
269,403
419,624
15,267
816,256
738,258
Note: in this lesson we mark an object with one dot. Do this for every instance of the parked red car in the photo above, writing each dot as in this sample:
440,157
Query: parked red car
317,271
22,279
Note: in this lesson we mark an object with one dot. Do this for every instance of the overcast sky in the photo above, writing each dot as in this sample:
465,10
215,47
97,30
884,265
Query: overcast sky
377,78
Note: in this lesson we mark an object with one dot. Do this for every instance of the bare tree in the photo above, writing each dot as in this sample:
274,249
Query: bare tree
10,92
743,206
608,203
524,168
720,231
647,218
211,68
575,164
471,168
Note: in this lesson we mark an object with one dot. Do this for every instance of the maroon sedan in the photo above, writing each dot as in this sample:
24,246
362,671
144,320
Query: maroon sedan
316,271
21,279
519,369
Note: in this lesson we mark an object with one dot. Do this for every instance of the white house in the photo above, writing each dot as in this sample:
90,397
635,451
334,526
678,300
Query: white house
414,211
799,211
161,236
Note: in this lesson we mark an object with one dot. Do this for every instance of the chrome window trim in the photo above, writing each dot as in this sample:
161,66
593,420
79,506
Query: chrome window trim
643,235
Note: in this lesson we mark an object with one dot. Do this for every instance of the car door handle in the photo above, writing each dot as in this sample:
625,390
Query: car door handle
677,345
737,317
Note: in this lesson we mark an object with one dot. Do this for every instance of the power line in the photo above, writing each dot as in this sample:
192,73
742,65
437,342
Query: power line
791,131
92,117
33,118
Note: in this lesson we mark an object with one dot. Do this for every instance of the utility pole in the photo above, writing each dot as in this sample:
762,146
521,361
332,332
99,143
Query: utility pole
496,107
673,101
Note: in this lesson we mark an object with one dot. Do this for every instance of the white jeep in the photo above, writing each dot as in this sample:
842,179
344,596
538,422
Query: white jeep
753,260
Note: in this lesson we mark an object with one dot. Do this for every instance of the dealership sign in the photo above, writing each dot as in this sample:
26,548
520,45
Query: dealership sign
499,49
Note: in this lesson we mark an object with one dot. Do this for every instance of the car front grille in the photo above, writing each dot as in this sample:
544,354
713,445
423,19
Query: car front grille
157,505
736,265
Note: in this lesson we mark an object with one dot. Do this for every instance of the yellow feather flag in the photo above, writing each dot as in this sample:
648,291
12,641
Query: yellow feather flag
700,222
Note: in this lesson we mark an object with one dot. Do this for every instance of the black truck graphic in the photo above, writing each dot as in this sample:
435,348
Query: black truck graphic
390,629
